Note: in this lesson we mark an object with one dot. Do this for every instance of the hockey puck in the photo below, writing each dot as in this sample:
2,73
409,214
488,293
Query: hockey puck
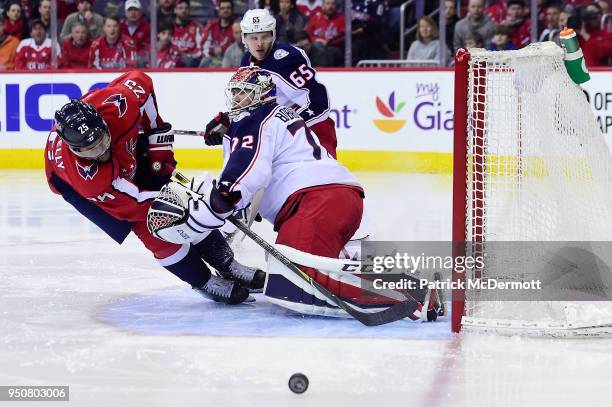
298,383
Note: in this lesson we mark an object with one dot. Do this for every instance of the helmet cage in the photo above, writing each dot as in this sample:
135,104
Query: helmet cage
94,151
248,89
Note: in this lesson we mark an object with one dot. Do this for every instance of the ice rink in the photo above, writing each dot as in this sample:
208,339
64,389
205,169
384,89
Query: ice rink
76,309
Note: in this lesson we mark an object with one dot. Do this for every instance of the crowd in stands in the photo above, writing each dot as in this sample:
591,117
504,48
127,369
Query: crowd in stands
95,34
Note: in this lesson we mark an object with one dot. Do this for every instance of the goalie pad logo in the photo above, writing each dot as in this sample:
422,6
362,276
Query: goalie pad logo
118,100
87,172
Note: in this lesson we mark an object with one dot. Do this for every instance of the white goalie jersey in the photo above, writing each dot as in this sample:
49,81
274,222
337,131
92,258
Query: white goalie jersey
271,148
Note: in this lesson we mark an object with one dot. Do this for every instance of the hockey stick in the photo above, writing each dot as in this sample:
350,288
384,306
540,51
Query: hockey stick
391,314
188,133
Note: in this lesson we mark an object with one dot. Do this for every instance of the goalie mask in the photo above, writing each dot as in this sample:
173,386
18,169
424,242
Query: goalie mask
249,88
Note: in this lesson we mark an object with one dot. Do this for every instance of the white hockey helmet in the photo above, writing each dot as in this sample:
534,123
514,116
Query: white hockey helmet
258,20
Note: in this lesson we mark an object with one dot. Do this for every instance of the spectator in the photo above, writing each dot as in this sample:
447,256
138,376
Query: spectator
427,43
65,8
108,8
474,40
309,8
8,49
187,35
75,50
564,17
596,43
496,10
165,13
14,20
44,13
233,54
168,55
475,21
368,19
450,9
519,27
112,50
327,27
34,53
93,21
317,54
270,5
553,12
604,5
288,22
218,35
501,39
136,26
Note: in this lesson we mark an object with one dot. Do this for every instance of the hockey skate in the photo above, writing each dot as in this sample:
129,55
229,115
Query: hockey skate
250,277
221,290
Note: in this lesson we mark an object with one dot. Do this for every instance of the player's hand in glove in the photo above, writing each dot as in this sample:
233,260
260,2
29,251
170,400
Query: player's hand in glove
160,151
216,129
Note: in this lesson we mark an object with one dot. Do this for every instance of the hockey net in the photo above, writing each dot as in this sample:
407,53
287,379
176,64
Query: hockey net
530,165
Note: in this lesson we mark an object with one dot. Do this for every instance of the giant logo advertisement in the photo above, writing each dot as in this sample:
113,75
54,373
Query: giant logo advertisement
373,111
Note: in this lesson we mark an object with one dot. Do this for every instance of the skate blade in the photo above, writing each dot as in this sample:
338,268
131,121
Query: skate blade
256,290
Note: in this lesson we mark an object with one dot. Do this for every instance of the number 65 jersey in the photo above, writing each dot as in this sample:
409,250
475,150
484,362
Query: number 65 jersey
296,83
272,148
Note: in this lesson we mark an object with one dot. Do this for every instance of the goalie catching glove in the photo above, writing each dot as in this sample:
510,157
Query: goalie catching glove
179,215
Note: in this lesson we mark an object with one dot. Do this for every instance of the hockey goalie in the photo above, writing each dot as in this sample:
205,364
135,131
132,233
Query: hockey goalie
314,203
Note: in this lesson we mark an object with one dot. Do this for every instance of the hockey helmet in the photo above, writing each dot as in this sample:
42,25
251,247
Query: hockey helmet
258,20
249,88
81,127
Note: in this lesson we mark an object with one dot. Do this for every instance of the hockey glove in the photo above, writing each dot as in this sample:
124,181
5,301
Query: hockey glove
160,151
216,129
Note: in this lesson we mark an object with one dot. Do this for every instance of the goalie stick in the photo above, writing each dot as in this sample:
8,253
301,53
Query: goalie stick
391,314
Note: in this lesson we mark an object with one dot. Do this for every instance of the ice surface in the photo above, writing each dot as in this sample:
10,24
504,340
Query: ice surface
77,309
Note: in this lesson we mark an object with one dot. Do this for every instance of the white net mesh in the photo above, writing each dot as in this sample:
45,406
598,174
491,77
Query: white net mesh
538,169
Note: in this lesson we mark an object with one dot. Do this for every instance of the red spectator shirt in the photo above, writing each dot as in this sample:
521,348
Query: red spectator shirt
31,56
169,57
65,7
309,9
141,36
105,56
126,104
14,29
217,36
597,49
73,56
188,38
520,34
330,29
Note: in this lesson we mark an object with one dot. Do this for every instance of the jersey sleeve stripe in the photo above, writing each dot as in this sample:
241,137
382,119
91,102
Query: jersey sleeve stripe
261,126
125,186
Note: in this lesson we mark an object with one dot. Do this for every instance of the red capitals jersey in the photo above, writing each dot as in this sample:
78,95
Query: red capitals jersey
120,55
127,103
169,57
141,35
329,29
520,33
74,57
309,8
188,38
217,37
31,56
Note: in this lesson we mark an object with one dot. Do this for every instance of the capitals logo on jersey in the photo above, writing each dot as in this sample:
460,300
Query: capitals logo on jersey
87,171
118,100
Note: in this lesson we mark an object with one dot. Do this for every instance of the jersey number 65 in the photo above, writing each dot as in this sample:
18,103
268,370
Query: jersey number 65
300,76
